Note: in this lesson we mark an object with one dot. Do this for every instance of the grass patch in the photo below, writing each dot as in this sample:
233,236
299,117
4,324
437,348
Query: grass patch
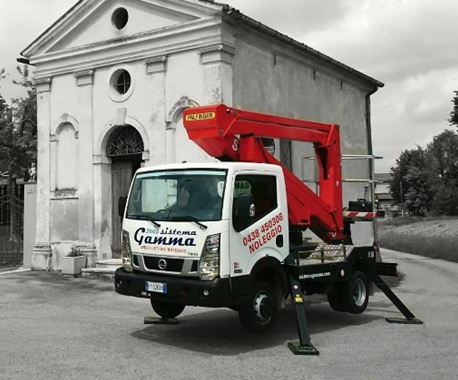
405,220
416,241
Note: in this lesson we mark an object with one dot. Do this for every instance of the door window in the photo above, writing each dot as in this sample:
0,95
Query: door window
263,188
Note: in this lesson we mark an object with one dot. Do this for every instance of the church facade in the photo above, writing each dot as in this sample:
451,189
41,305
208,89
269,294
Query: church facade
113,78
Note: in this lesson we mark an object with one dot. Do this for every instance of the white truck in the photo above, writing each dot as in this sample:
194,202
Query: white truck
231,233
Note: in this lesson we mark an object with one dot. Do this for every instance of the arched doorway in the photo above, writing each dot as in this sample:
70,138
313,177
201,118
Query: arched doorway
125,148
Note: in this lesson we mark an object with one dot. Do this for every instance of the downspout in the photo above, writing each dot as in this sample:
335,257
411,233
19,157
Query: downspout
368,119
371,160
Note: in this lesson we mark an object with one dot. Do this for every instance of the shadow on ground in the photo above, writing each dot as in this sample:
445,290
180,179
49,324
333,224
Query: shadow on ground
219,332
393,282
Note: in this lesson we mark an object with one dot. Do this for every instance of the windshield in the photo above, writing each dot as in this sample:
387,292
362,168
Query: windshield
179,195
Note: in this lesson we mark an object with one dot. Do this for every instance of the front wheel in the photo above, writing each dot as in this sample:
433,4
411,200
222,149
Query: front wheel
166,310
259,314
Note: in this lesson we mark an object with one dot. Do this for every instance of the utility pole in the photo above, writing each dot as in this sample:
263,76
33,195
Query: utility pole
402,199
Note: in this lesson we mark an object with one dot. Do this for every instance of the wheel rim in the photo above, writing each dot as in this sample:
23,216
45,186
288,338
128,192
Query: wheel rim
263,307
359,292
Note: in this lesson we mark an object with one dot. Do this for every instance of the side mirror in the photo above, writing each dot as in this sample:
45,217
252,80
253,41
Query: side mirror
122,200
269,144
245,207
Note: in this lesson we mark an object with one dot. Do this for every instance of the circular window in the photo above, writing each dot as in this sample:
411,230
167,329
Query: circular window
121,83
120,18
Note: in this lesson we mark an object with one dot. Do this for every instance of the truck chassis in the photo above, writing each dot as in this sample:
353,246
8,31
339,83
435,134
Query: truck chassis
360,260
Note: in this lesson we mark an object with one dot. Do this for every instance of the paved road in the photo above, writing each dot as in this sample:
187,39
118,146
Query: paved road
55,327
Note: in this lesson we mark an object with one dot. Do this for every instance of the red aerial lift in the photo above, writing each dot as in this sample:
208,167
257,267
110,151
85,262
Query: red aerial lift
244,259
231,134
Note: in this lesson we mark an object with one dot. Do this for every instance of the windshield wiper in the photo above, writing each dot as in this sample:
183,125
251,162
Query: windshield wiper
191,218
144,217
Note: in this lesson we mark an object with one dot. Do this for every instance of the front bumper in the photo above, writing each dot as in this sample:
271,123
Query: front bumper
184,291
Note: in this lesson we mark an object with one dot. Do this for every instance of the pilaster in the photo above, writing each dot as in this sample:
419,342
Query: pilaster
84,82
102,219
156,68
216,64
42,253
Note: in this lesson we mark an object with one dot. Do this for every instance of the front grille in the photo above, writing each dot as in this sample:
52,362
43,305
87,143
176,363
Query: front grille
194,265
173,265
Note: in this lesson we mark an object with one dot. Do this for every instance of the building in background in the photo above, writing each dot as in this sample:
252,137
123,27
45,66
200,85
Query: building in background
384,199
113,77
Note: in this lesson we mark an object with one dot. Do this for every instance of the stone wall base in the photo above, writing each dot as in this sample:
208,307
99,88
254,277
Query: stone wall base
90,251
41,257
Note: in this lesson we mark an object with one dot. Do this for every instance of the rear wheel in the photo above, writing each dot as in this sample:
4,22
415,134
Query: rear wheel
336,301
352,296
357,293
166,310
259,314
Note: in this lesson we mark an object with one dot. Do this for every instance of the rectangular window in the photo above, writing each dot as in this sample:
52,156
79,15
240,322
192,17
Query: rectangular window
263,188
178,195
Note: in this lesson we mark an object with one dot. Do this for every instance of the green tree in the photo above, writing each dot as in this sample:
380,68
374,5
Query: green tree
25,117
18,138
454,114
6,126
410,183
443,160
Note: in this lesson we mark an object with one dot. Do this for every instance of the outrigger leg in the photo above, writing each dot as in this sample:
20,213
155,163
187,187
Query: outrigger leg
390,269
304,347
150,320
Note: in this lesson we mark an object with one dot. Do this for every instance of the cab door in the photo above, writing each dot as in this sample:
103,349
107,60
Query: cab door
264,234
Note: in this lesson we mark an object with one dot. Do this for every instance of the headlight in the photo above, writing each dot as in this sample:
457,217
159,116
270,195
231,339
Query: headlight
126,252
209,260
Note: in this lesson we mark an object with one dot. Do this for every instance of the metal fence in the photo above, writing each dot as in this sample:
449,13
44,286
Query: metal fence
11,224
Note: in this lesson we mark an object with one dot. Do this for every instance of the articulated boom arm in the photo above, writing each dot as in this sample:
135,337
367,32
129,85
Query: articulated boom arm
235,135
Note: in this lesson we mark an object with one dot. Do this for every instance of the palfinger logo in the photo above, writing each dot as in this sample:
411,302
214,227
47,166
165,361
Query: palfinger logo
200,116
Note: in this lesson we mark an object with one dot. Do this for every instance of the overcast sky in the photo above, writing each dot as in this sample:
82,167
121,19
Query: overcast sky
410,45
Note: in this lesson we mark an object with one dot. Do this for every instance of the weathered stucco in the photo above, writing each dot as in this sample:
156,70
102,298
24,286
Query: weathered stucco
274,78
178,55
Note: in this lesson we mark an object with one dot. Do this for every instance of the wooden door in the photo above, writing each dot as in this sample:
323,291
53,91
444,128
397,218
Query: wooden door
121,177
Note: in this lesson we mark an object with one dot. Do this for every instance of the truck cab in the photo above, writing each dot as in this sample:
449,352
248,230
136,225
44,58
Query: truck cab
202,234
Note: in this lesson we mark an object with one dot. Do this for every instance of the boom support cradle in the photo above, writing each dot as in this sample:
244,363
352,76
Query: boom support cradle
231,134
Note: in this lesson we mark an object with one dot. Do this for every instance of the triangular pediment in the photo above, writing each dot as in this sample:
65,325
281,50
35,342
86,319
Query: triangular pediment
91,22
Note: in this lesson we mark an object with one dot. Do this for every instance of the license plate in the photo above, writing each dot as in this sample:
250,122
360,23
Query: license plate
157,287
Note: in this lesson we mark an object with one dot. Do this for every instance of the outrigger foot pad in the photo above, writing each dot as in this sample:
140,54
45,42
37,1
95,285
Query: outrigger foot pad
160,321
405,321
297,349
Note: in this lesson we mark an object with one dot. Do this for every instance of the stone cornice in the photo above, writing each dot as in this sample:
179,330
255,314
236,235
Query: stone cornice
98,159
156,64
43,84
84,78
199,10
217,53
196,30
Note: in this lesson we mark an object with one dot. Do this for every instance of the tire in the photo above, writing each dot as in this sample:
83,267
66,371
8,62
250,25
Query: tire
336,301
166,310
356,295
260,313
